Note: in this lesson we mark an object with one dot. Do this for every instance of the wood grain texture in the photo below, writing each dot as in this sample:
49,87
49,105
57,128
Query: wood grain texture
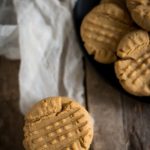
121,122
136,120
11,121
105,106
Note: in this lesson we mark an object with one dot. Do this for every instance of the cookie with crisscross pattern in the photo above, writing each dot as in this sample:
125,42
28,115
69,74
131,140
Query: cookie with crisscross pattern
140,12
58,123
133,69
102,29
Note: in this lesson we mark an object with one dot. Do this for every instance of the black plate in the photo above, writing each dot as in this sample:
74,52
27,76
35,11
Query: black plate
82,7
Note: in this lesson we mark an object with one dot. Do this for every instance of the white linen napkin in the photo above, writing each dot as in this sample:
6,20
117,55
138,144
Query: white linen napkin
51,60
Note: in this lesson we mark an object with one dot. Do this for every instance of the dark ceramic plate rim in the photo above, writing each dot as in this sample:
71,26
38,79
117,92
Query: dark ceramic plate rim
81,8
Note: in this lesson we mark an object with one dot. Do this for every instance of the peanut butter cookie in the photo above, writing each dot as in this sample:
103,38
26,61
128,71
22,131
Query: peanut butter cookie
133,69
140,12
58,123
102,29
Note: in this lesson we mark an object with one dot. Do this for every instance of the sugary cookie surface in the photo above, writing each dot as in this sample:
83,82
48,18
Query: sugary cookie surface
133,69
102,29
58,123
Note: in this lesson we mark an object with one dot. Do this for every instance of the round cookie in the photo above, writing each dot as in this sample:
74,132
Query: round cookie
133,69
58,123
140,12
101,30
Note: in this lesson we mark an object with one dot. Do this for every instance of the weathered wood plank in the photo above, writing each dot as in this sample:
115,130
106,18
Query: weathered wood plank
105,106
136,119
11,121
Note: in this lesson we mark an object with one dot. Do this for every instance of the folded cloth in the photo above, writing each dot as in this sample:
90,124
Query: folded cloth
51,61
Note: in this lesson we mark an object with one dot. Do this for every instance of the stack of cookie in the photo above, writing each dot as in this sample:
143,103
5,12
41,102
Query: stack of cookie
116,31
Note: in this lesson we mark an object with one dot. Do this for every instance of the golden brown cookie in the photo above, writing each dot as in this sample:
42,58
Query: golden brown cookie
140,12
133,69
58,123
102,29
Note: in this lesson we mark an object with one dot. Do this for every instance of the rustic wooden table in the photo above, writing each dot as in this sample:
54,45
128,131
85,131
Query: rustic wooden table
121,123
